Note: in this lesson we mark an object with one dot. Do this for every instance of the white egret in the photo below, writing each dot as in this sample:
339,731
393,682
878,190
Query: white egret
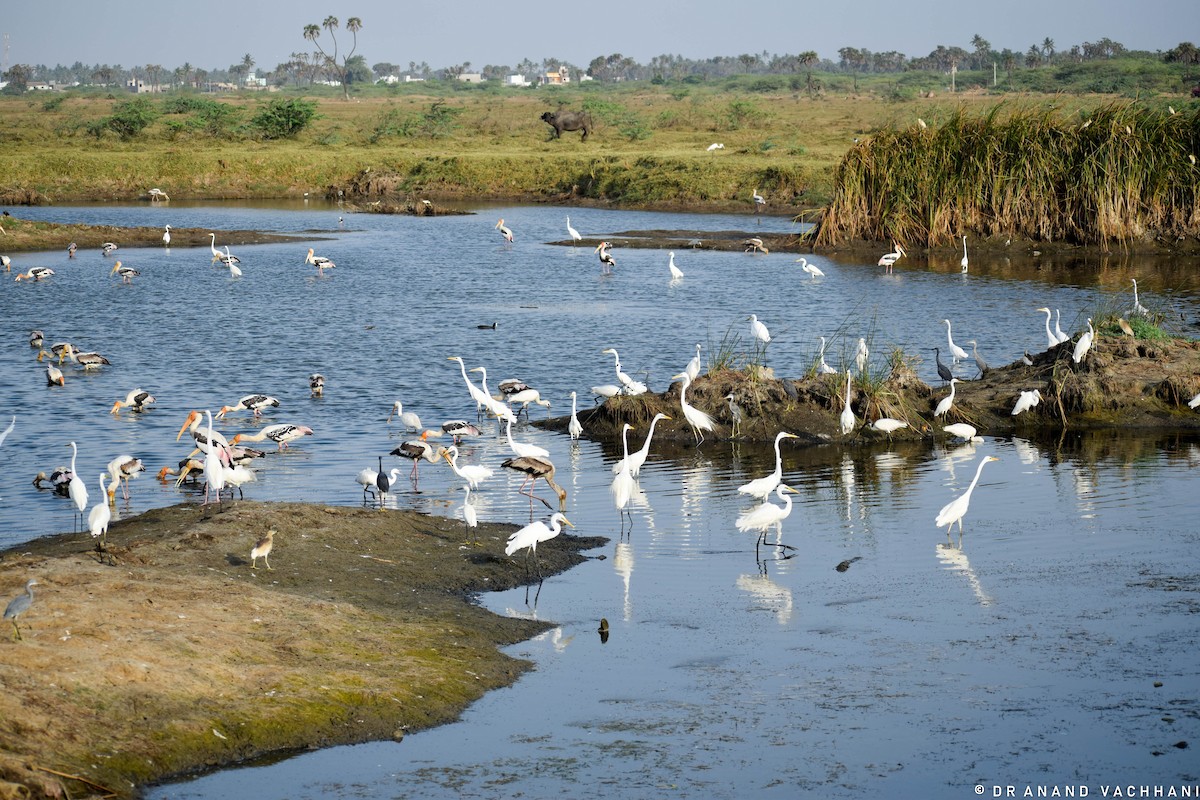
947,402
693,367
214,467
574,428
861,356
758,330
676,272
822,367
605,391
811,269
767,515
956,509
1051,339
523,448
963,431
477,395
529,537
575,237
495,407
630,386
715,146
212,246
525,397
1084,344
956,352
99,516
167,236
1026,401
1138,308
4,434
697,419
232,262
623,486
473,474
408,419
847,420
963,263
762,487
371,481
76,489
1058,331
636,459
1194,402
470,518
888,425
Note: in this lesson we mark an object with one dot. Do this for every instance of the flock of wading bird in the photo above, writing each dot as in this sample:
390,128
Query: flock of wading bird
225,464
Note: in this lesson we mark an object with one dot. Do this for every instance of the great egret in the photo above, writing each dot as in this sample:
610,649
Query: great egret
494,407
19,605
254,403
861,355
504,231
167,236
676,272
1058,331
1085,343
623,486
473,474
127,273
963,431
214,468
1194,402
1051,339
470,518
888,259
847,420
767,515
947,401
693,367
525,397
574,428
212,246
956,509
979,362
1138,308
1026,401
408,419
762,487
534,468
963,263
888,425
523,448
822,367
575,237
758,330
697,419
636,459
262,549
76,489
956,352
136,400
811,269
715,146
99,516
529,537
630,386
232,262
480,397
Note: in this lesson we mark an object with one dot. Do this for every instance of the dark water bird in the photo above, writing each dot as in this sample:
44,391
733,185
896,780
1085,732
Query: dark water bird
536,468
316,384
942,370
19,605
603,630
491,327
979,362
845,565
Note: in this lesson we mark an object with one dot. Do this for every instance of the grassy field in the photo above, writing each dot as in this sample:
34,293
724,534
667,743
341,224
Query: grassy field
649,149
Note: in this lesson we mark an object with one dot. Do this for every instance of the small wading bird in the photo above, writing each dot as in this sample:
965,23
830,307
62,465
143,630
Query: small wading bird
377,482
809,268
607,262
1138,308
942,370
320,262
754,245
767,515
944,406
473,474
861,356
692,370
574,428
35,274
525,397
575,237
758,330
262,549
628,384
254,403
822,367
888,425
847,421
76,489
408,419
962,430
99,517
956,509
127,273
19,605
715,146
504,231
529,537
980,364
167,236
735,416
470,518
232,262
888,259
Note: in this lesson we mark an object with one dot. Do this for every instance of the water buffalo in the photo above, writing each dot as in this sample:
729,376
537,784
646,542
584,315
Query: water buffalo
568,121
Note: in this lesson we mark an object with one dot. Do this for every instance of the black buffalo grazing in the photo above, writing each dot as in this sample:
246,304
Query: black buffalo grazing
568,121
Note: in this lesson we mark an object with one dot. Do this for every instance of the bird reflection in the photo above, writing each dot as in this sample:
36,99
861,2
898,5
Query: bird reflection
1026,452
1085,492
623,566
964,452
770,595
556,638
955,559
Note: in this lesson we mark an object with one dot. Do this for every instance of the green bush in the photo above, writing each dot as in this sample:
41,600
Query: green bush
284,119
128,119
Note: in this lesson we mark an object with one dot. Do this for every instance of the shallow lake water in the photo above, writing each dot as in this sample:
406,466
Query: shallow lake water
1028,652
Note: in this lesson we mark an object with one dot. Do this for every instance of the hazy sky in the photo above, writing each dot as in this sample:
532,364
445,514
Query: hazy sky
217,33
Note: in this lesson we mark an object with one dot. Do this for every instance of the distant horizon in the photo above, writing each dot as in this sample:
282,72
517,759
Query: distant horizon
218,34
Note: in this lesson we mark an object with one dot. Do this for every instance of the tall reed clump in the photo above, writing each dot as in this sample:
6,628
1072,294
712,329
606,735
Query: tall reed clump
1123,173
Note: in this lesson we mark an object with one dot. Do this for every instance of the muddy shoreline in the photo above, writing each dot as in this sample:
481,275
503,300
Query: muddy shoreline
171,655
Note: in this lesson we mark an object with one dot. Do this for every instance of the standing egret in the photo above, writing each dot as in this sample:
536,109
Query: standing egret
956,509
767,515
822,367
634,461
212,246
531,535
408,419
1085,343
810,268
167,236
888,425
630,386
99,517
697,419
1138,308
762,487
470,518
962,430
76,489
963,263
480,397
947,401
758,330
523,448
473,474
847,420
1026,401
1058,331
1194,402
693,367
1051,339
979,362
676,272
262,549
622,486
504,231
575,237
19,605
861,356
214,463
573,427
956,352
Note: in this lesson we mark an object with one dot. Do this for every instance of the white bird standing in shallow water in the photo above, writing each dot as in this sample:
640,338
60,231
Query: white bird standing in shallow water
1138,308
573,427
167,236
964,262
575,237
4,434
676,272
1058,331
762,487
1084,344
822,367
955,351
623,486
809,268
963,431
847,420
862,356
956,509
767,515
529,537
470,518
636,459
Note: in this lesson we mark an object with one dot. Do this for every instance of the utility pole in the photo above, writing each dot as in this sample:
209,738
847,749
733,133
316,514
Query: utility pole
993,73
4,63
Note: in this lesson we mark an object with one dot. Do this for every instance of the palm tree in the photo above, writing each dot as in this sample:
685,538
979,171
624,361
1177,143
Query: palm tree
808,58
1048,49
354,25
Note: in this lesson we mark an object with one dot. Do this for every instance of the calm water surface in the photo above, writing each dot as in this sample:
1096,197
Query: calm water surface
1025,654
